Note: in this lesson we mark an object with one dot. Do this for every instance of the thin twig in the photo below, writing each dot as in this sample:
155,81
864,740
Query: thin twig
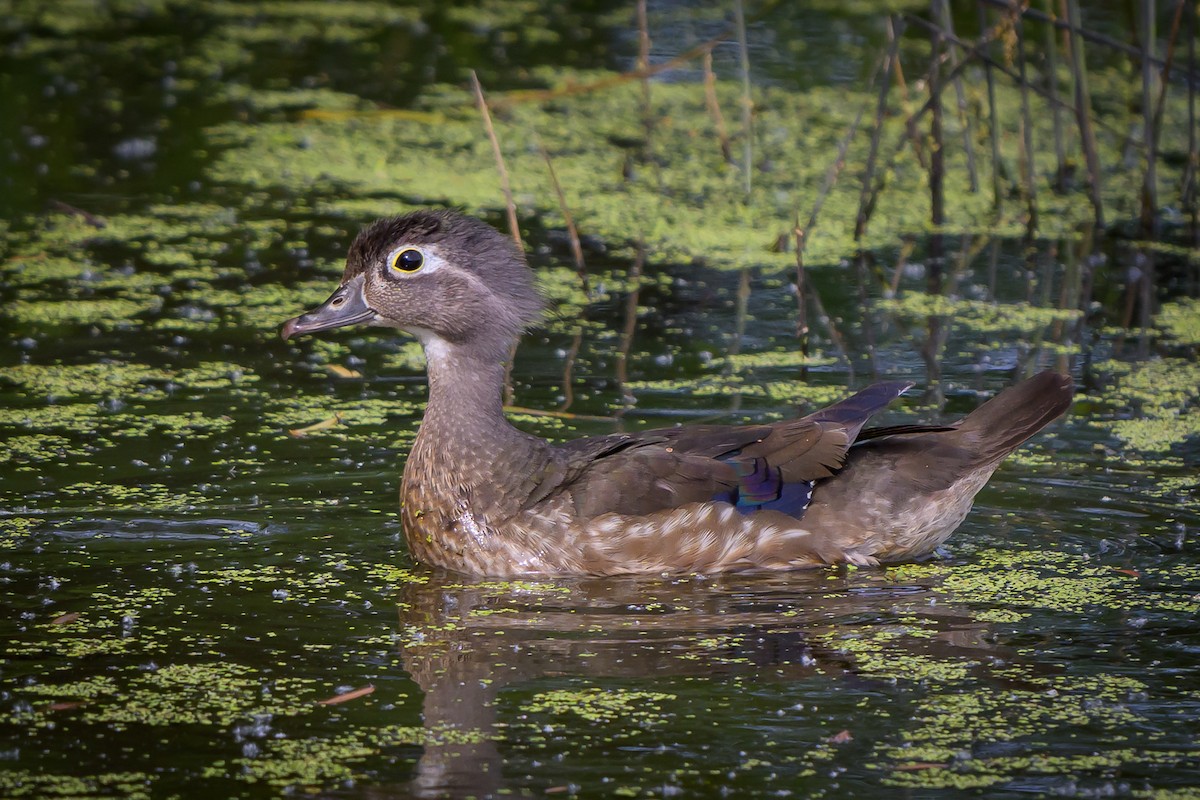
741,308
643,63
937,163
868,320
559,414
906,250
630,327
1081,107
741,313
1083,102
804,290
835,336
747,103
1149,218
714,108
572,231
1076,29
865,207
568,378
540,95
1160,107
964,120
979,50
1060,154
801,294
1188,189
510,204
835,169
1028,162
88,217
994,119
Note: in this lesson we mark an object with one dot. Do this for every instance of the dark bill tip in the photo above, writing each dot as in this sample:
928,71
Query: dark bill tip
346,306
290,328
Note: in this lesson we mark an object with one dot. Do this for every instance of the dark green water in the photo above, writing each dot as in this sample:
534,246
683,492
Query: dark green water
185,582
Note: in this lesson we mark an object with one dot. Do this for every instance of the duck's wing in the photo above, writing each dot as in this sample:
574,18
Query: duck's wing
641,473
752,467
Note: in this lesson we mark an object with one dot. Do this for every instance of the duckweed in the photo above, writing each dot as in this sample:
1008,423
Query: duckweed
1180,320
597,705
181,569
213,694
315,762
67,381
20,783
113,312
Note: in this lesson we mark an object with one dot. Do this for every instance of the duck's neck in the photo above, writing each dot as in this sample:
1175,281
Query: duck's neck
464,421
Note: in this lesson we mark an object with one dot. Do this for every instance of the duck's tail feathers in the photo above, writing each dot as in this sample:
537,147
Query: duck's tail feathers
1001,424
854,411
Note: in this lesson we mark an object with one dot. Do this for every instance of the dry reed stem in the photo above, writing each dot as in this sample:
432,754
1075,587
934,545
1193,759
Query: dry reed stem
741,309
993,119
1083,103
865,206
964,119
906,250
714,108
1154,121
1076,29
1172,41
541,95
835,335
1081,106
630,327
572,231
643,63
510,205
801,290
979,50
1060,151
1146,30
558,414
1028,162
568,378
806,291
937,160
1188,188
747,102
835,169
937,204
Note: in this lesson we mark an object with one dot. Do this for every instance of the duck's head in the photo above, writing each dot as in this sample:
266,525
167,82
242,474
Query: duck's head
441,276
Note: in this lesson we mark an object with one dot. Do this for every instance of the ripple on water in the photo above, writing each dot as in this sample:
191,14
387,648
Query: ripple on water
157,528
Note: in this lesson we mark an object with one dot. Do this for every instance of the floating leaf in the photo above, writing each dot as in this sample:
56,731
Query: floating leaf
323,425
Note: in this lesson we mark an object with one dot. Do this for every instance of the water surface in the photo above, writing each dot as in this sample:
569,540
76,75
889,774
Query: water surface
206,578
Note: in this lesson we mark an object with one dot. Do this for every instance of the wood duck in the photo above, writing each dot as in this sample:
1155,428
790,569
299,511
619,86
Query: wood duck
479,496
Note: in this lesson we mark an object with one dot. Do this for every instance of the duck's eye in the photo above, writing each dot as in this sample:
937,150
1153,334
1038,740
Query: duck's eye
409,259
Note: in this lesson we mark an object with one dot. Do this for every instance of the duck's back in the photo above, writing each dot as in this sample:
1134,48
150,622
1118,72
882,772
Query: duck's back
790,495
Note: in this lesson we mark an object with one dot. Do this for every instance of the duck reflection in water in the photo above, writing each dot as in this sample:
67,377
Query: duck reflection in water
467,640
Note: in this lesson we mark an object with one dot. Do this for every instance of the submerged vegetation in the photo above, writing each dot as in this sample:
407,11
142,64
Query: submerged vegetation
198,531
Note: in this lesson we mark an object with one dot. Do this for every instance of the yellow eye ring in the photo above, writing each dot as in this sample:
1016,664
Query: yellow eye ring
408,260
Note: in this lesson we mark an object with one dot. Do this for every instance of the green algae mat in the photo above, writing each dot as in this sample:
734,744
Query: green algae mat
204,578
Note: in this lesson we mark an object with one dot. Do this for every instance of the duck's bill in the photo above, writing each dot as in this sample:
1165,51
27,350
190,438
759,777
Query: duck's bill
346,306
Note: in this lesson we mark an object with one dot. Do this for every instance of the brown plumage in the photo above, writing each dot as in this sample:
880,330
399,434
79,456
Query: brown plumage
480,496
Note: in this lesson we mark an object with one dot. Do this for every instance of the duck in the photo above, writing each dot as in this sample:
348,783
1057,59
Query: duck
482,497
